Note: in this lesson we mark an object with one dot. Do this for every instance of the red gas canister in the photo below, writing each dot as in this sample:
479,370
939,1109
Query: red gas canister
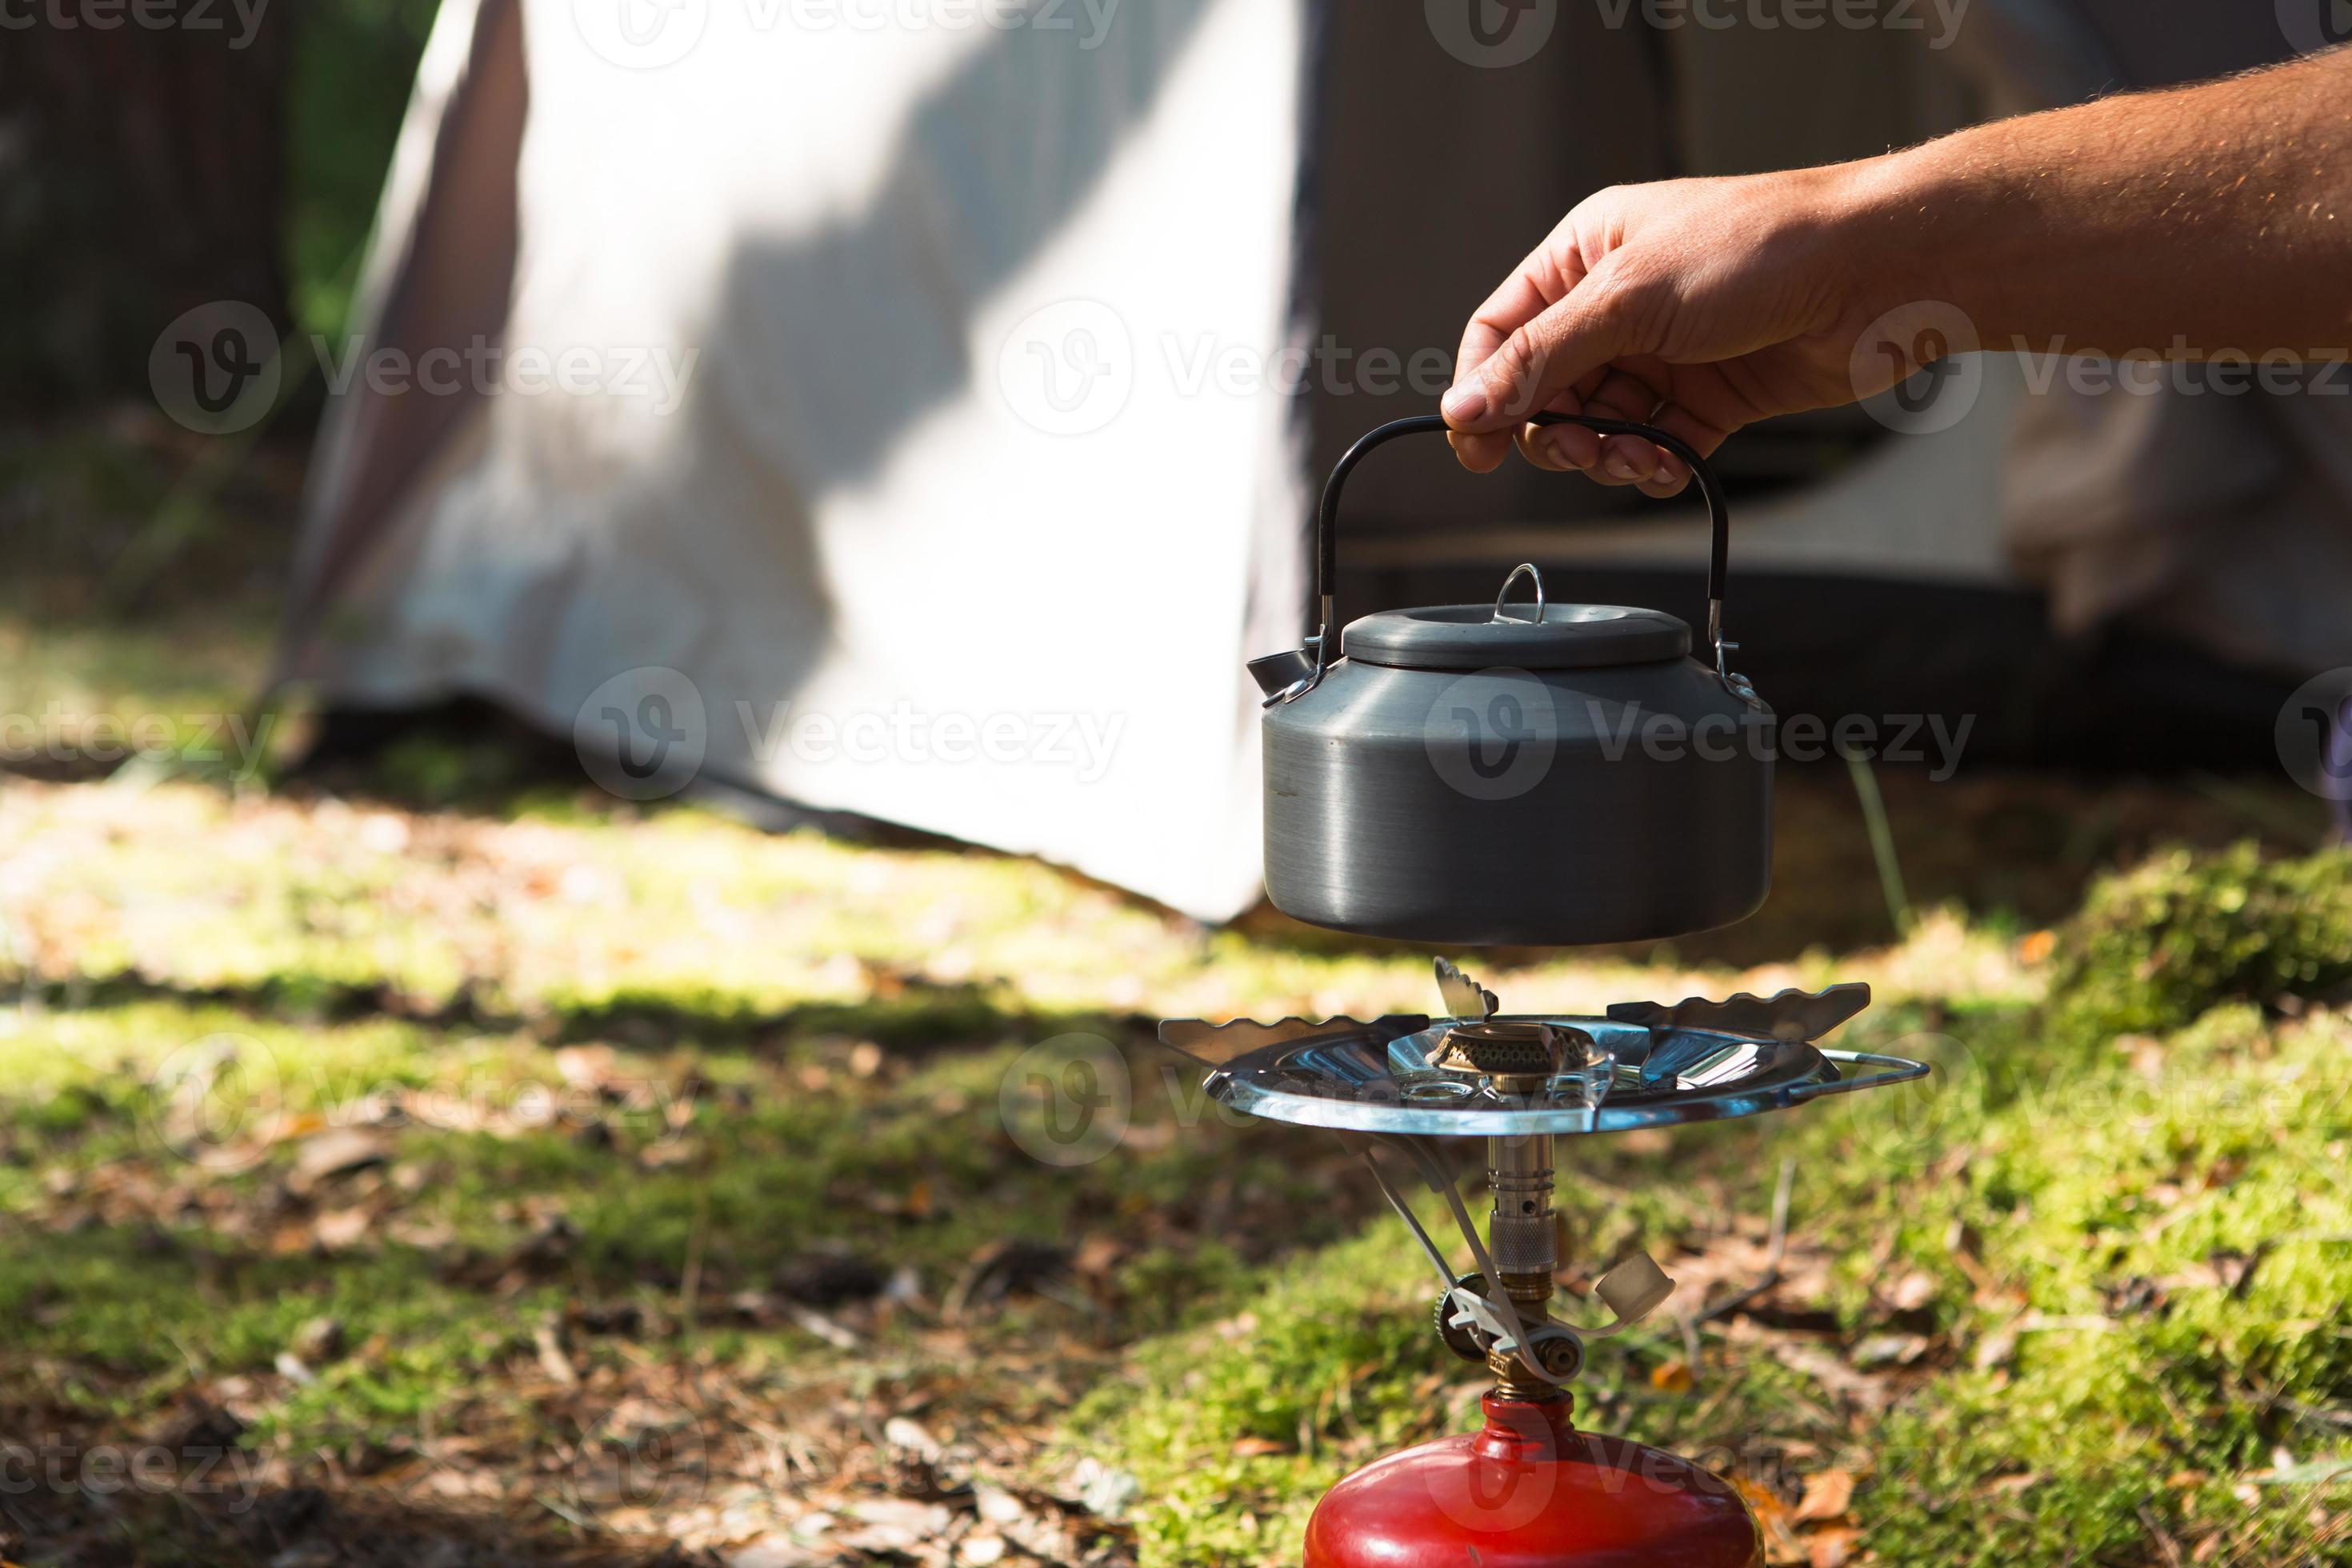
1531,1491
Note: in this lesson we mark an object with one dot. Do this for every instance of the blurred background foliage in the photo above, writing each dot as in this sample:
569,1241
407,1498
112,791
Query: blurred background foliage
353,60
144,173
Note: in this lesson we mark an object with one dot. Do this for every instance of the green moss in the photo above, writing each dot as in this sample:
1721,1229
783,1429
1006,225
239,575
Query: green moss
1231,1428
2155,947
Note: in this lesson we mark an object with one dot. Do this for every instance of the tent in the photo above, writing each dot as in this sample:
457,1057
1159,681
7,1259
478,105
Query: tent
909,408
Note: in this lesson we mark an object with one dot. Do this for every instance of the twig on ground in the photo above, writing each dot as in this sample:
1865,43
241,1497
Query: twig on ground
2165,1543
689,1286
1774,1253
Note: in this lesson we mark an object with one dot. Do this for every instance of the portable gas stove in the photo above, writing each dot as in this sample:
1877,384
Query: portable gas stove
1524,773
1529,1489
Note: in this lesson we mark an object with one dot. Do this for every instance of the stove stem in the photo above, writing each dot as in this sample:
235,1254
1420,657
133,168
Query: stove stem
1524,1241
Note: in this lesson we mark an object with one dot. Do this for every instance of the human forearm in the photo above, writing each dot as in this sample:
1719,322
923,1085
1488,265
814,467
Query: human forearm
2212,219
2210,222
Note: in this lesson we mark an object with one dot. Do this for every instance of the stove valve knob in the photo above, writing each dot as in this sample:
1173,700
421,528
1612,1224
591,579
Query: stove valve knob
1462,1338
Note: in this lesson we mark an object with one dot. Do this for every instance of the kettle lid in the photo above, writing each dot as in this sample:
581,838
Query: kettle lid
1540,636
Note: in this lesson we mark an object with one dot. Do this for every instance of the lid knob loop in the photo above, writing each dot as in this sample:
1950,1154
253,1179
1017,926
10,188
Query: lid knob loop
1524,569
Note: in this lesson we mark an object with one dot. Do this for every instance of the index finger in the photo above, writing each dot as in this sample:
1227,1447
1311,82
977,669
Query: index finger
1541,281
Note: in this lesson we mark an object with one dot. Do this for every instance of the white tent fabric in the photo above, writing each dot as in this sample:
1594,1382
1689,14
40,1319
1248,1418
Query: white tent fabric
917,456
891,405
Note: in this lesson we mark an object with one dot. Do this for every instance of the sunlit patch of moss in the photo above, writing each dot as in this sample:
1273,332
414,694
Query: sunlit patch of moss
615,921
2155,947
2169,1221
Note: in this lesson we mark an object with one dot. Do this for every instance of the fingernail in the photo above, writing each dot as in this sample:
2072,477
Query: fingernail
1562,455
1623,467
1667,473
1465,405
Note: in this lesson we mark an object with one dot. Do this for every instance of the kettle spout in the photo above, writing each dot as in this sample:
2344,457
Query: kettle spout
1278,672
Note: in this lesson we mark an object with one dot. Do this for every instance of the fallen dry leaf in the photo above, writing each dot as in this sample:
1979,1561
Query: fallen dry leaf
1912,1291
337,1151
895,1524
1832,1548
338,1229
552,1359
1834,1375
1828,1494
1781,1547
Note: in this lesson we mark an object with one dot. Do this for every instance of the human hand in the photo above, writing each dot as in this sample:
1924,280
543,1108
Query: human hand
1697,306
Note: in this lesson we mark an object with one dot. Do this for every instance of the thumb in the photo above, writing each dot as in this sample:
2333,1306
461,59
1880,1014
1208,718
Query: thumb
1583,331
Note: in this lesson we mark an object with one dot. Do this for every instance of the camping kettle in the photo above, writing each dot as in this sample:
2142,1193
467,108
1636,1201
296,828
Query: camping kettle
1524,773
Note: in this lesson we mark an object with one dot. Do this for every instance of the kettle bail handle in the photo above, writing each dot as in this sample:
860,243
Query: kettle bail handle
1326,532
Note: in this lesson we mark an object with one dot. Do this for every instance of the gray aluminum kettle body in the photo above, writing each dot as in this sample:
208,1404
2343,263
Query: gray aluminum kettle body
1516,775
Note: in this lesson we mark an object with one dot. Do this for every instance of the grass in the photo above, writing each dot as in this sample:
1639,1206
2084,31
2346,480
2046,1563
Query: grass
707,1187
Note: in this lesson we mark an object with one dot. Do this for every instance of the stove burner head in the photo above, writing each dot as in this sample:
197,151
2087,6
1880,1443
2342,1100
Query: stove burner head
1478,1074
1512,1048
